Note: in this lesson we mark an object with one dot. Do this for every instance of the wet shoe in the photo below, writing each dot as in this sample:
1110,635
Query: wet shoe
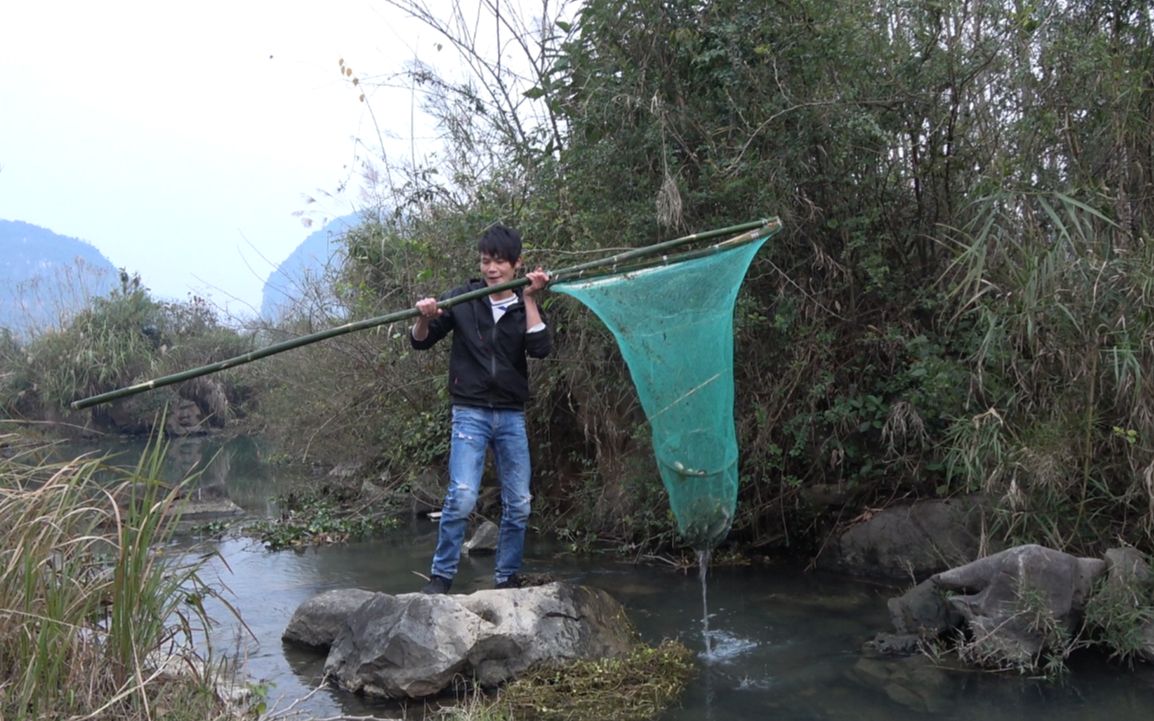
513,581
437,585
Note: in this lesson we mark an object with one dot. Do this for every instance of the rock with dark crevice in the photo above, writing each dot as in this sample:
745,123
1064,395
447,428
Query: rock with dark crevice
1020,601
923,611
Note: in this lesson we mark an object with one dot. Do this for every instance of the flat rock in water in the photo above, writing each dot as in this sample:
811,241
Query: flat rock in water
196,509
414,645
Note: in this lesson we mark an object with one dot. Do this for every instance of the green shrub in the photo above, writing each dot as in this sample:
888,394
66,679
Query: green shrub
121,339
1120,617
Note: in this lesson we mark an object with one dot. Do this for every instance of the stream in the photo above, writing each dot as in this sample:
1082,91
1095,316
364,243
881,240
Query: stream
772,641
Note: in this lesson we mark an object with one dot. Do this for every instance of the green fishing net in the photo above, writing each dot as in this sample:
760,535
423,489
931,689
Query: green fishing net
674,326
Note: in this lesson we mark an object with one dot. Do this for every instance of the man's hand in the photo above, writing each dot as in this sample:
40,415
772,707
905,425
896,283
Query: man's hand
538,279
428,309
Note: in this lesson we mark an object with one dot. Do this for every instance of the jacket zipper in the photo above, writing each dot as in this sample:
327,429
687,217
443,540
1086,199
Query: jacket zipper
493,353
493,341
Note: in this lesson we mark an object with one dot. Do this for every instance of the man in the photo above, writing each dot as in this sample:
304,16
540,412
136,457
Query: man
489,384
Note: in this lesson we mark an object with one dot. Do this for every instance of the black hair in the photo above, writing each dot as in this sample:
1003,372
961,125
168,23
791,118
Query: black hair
501,242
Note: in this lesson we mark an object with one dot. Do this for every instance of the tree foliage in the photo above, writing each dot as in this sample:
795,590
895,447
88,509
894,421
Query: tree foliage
961,300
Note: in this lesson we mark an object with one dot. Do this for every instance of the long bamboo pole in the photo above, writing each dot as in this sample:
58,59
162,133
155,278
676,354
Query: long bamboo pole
621,262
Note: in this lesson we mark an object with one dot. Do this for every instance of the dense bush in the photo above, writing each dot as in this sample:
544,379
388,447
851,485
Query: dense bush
961,299
120,339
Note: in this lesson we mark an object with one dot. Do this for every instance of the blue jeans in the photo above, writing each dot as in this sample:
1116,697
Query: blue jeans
475,430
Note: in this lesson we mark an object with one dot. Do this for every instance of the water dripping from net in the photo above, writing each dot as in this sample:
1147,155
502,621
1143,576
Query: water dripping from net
703,572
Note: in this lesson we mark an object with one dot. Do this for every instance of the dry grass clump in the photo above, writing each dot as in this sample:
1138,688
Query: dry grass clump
87,605
634,687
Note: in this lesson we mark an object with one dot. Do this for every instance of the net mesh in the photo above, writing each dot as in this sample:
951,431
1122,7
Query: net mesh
674,326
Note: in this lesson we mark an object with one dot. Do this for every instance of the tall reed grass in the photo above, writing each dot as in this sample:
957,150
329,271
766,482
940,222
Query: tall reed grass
91,610
1057,301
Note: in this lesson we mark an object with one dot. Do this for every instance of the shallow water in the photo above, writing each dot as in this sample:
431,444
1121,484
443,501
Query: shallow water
772,641
784,644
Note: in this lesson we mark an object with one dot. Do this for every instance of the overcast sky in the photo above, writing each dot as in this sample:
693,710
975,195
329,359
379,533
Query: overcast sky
180,138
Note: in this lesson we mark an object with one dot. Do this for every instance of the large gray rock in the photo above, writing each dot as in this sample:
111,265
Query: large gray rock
911,541
317,621
1019,601
414,645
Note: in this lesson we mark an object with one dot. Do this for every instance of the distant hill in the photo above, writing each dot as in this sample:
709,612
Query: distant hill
288,285
46,278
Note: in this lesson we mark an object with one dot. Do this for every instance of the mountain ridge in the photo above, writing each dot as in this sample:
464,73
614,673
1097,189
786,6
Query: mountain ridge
46,277
285,285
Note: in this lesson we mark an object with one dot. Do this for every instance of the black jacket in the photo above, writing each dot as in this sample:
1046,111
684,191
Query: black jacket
487,365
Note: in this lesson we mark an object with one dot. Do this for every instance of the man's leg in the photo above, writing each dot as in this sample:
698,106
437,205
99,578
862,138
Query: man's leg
472,429
511,455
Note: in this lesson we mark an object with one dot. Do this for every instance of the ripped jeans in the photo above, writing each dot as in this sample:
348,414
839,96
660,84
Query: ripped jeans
475,430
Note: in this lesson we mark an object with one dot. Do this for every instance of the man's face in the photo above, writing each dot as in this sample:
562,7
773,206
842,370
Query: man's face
497,271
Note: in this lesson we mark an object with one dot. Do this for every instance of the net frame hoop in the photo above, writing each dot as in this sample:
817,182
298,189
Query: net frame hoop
752,236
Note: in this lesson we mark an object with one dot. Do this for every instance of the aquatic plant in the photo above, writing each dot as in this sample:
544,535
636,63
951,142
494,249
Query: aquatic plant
314,517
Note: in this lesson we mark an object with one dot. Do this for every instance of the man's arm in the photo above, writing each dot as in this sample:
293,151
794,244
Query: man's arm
427,307
538,344
538,279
